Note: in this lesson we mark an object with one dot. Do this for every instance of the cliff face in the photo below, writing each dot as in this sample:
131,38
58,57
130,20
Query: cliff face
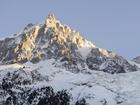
53,40
51,33
51,63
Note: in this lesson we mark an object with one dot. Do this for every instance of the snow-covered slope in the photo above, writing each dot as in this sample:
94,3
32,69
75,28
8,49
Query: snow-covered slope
96,87
136,60
53,64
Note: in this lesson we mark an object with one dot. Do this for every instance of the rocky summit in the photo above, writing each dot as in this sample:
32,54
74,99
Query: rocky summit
53,40
53,64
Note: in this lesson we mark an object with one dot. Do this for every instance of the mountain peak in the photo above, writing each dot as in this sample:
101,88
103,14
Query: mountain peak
55,55
51,17
56,25
51,20
43,36
54,40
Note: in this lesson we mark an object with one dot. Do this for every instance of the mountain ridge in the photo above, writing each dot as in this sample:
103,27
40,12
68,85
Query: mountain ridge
52,63
52,39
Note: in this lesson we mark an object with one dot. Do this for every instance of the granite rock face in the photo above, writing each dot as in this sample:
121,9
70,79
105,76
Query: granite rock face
52,64
54,40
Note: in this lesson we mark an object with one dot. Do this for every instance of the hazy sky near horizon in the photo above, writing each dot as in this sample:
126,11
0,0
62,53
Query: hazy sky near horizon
110,24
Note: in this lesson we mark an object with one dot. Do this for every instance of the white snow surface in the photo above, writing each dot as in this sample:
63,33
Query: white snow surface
84,51
98,88
134,63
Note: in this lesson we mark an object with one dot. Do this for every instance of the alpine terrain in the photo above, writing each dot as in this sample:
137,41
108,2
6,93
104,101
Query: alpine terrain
52,64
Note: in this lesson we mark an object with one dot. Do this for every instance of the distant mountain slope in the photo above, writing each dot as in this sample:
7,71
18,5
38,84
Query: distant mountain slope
137,59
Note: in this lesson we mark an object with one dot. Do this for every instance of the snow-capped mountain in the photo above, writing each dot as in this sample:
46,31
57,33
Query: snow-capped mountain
137,59
52,40
52,64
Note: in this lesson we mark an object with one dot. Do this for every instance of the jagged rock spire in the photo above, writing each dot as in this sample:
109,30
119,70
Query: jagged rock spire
51,20
51,16
52,33
53,40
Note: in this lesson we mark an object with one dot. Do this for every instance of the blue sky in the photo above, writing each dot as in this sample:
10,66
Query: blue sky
110,24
